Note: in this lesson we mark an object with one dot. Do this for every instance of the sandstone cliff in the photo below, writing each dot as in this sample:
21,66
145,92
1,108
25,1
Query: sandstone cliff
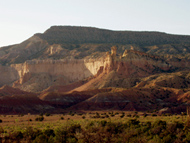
43,73
114,70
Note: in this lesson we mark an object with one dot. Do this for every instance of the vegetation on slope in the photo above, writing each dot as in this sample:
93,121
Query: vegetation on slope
81,35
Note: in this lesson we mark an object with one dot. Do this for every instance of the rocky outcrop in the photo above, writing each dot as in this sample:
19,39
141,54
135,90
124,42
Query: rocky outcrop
37,75
55,72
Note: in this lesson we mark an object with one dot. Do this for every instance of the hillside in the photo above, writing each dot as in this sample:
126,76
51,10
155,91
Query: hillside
81,35
72,68
67,42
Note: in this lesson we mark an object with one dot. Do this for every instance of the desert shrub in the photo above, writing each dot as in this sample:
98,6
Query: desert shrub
47,114
123,115
160,123
156,139
74,127
80,114
157,127
156,130
49,132
62,118
153,115
187,125
90,127
129,115
134,115
133,122
30,133
172,127
145,127
107,116
70,112
188,136
136,112
117,113
41,139
63,134
16,135
40,118
112,115
110,112
103,123
167,139
137,116
83,117
97,115
1,121
1,130
114,128
145,115
167,114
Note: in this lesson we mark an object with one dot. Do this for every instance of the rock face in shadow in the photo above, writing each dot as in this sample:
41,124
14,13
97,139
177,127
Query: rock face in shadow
16,101
8,75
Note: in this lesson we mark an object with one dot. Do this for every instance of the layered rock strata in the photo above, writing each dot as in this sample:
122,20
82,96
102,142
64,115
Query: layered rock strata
37,75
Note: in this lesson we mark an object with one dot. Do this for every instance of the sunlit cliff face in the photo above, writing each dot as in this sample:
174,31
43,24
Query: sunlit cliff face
44,73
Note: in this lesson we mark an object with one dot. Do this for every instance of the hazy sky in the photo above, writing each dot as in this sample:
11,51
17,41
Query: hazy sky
20,19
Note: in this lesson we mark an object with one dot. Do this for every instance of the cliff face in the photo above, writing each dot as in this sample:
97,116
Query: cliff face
37,75
72,69
8,75
44,73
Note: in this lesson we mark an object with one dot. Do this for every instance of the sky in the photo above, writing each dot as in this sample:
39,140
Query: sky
21,19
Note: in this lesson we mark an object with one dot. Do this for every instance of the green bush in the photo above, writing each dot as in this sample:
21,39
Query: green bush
31,134
16,135
103,123
40,118
153,115
133,122
167,139
47,114
145,115
123,115
83,117
129,115
49,132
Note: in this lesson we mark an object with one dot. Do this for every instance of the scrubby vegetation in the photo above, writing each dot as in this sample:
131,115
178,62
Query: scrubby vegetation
131,130
98,127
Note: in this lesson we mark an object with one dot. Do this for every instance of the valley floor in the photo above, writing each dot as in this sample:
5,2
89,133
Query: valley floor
101,126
